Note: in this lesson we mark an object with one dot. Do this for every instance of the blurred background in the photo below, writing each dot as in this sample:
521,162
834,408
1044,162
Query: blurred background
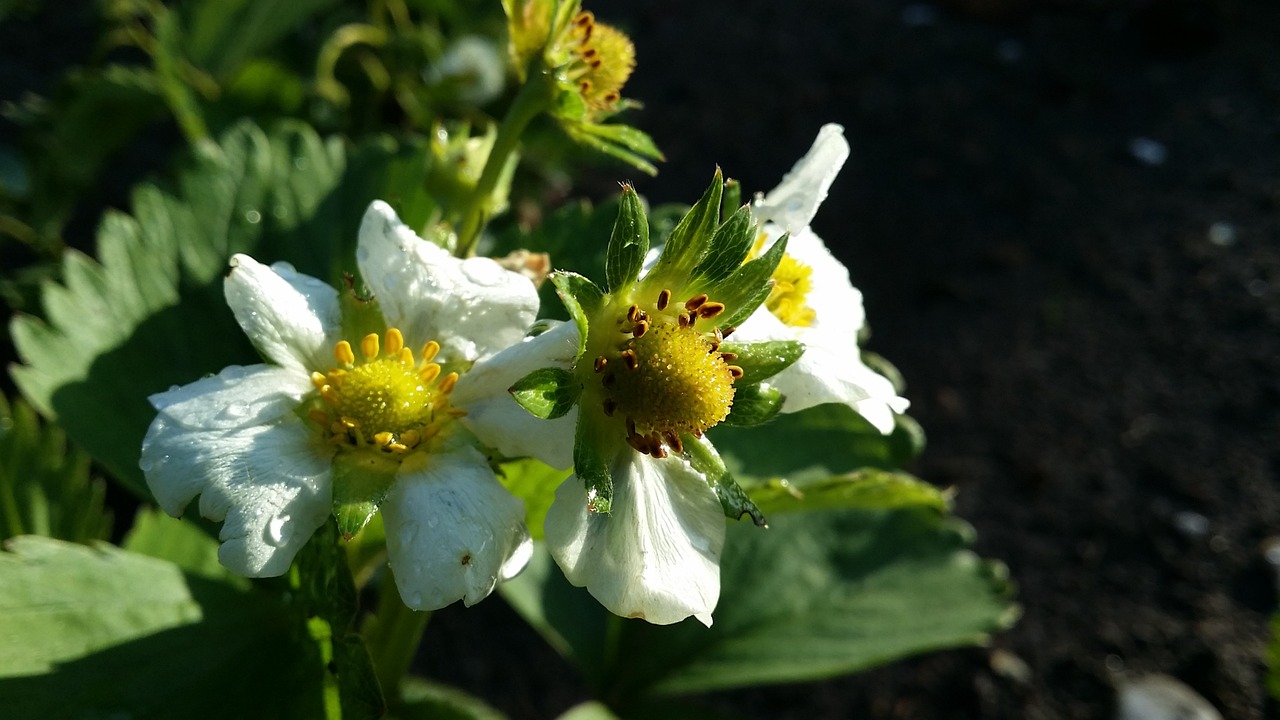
1065,219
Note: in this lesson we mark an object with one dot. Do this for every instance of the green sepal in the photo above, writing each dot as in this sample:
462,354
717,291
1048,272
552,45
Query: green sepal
360,315
547,393
733,499
754,404
729,247
749,286
762,360
622,142
628,243
361,481
690,240
581,298
732,196
591,465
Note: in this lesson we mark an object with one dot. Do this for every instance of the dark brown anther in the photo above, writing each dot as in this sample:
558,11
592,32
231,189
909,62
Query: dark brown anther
655,445
697,434
713,345
710,310
600,363
640,329
629,357
631,428
664,299
609,407
595,64
684,320
638,443
673,441
695,302
727,332
612,97
735,372
633,313
589,53
729,357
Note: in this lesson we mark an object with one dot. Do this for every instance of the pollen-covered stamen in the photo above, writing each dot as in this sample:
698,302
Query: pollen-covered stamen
389,401
605,59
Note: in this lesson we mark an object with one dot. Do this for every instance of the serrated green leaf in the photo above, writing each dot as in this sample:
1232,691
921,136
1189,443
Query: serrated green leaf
729,247
690,240
74,616
628,243
817,595
45,488
865,490
762,360
581,298
547,393
535,483
748,286
703,457
150,313
821,442
754,404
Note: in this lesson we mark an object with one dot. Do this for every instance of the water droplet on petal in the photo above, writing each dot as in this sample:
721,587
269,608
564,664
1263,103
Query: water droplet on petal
275,533
146,464
362,254
483,272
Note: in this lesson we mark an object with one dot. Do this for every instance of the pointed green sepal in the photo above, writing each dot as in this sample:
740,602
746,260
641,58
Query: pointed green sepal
547,393
754,404
628,243
749,286
622,142
581,298
729,247
591,464
361,481
762,360
735,501
690,240
732,196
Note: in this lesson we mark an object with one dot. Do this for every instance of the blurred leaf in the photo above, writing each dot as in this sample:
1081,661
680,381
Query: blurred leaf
427,700
221,35
865,489
44,485
103,632
816,595
181,542
1273,658
151,315
535,483
820,442
590,710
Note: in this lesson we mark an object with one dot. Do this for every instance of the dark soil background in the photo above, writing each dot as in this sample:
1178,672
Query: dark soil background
1091,339
1095,362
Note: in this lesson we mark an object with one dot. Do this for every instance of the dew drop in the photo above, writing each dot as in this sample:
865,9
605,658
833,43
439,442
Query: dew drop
280,211
146,465
300,163
275,530
253,217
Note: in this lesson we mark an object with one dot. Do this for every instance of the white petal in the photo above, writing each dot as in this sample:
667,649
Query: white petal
657,555
472,307
453,531
293,319
268,484
836,303
495,417
825,376
234,398
796,199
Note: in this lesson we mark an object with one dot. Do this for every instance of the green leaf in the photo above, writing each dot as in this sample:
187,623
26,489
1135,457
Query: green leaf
591,462
182,543
73,617
361,481
762,360
45,487
821,442
220,35
590,710
729,247
748,286
703,457
547,393
622,142
581,298
819,594
150,313
427,700
690,240
754,404
535,483
865,490
628,243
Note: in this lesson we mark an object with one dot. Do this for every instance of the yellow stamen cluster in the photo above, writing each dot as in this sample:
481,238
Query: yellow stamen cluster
792,282
606,58
666,376
389,400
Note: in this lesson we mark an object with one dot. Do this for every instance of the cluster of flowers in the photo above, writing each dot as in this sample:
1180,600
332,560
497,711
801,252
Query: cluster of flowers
403,401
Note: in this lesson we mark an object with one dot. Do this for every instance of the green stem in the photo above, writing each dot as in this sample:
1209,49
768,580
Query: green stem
534,97
392,637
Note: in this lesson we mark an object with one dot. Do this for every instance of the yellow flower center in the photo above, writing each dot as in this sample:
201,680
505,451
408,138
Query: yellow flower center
606,58
789,299
666,376
388,401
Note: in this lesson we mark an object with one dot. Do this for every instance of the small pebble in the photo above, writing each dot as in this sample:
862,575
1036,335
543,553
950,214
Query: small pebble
1160,697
